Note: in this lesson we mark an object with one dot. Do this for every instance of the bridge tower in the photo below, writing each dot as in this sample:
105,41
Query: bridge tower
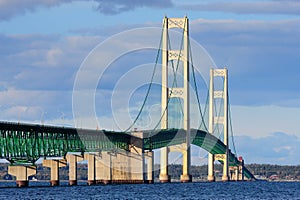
173,92
215,120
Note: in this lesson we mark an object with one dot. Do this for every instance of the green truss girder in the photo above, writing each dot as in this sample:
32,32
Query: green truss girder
162,138
23,143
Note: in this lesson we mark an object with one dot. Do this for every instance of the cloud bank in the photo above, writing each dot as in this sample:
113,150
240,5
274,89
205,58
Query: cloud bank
12,8
112,7
288,7
280,148
257,54
261,57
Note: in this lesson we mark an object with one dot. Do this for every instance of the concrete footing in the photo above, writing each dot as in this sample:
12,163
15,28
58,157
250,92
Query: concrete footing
22,183
185,178
163,178
91,182
54,182
149,181
72,182
128,182
211,178
104,182
225,178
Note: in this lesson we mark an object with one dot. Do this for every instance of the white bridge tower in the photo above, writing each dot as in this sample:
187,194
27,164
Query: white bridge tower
215,120
176,92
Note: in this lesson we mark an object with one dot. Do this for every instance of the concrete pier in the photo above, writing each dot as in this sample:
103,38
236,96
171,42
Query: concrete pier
91,168
103,168
164,175
72,159
241,169
211,168
121,168
54,166
186,177
237,172
185,151
22,173
234,173
137,158
150,163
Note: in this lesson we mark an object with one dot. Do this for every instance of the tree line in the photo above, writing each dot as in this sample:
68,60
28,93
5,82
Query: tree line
267,171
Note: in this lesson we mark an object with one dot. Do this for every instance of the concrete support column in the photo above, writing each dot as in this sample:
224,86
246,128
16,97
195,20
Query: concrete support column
121,171
186,177
241,173
72,160
91,168
186,160
138,158
237,174
164,175
234,173
54,169
225,176
103,168
211,157
137,166
241,169
22,173
150,164
211,168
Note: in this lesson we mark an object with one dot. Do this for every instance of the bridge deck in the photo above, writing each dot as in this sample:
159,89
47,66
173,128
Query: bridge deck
28,142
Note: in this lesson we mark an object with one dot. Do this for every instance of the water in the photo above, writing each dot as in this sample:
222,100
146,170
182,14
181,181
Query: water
217,190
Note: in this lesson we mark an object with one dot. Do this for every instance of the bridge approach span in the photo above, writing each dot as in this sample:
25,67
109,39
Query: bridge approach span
26,143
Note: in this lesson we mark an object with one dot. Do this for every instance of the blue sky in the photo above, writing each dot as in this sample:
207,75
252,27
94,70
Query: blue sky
44,43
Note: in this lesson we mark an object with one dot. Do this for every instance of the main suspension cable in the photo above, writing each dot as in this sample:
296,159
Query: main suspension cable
150,85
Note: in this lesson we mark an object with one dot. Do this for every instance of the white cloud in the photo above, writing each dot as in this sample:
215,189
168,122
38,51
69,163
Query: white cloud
279,148
261,121
118,6
260,56
29,105
247,48
289,7
42,62
12,8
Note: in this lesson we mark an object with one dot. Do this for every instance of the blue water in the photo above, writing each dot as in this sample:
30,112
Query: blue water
217,190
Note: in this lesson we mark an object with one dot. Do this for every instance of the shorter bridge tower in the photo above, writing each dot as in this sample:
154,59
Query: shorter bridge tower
218,120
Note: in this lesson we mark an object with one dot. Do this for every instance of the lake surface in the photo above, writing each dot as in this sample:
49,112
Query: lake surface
197,190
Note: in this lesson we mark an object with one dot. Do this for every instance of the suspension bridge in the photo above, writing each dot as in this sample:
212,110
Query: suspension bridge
127,156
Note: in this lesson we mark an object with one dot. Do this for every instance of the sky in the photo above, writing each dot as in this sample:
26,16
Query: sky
49,48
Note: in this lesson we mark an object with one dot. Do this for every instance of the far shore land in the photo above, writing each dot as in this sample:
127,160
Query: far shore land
263,172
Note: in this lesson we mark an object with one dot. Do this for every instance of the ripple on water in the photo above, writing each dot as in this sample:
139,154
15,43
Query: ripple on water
218,190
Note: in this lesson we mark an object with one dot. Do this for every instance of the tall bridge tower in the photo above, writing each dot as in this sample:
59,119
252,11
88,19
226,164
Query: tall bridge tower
176,92
215,120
